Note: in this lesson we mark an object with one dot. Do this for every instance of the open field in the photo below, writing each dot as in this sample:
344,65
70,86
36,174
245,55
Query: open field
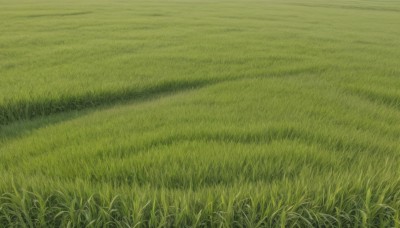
200,113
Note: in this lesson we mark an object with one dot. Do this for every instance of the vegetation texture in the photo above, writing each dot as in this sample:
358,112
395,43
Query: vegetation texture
155,113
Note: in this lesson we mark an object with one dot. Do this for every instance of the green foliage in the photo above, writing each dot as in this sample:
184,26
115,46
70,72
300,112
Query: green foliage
199,113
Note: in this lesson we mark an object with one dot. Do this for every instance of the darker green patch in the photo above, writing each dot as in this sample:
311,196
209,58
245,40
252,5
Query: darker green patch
13,111
156,15
389,100
59,14
348,7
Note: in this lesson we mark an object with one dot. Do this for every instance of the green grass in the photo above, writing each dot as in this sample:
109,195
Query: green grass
199,113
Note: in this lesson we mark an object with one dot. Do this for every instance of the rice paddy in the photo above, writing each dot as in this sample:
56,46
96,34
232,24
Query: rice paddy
195,113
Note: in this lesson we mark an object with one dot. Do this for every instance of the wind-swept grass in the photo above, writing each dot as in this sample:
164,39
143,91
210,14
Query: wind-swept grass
199,113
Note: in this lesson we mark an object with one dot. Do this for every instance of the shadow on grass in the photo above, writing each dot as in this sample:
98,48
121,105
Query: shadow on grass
18,118
390,101
58,14
325,141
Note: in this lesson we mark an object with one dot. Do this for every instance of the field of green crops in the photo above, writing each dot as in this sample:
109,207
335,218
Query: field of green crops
210,113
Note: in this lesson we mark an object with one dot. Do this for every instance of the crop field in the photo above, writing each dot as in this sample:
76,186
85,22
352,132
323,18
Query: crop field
200,113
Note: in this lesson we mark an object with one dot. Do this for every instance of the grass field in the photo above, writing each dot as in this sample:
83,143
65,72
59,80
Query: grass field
273,113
